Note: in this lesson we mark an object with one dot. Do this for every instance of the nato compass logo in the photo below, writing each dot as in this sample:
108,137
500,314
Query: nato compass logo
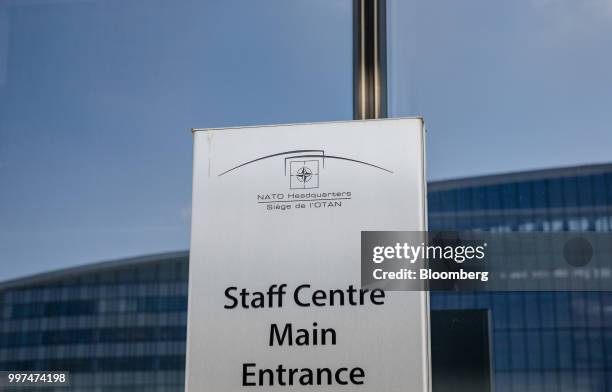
302,166
304,174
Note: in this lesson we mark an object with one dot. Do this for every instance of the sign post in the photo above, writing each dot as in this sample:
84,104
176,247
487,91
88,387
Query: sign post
274,282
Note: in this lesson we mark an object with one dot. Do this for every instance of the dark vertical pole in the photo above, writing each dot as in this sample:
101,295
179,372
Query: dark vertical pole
369,59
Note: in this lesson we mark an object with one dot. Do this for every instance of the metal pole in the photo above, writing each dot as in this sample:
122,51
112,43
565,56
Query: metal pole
369,59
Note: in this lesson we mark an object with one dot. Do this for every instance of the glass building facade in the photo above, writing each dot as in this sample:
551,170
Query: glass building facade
116,326
541,341
121,326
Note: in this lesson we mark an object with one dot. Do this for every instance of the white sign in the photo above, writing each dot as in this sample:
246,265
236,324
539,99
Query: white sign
274,274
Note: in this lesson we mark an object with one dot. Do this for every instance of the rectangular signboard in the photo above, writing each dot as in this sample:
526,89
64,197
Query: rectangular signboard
275,300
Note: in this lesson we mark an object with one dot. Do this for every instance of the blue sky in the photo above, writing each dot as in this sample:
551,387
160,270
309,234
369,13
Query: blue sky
97,99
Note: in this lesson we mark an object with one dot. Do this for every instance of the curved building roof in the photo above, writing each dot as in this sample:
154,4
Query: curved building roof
61,274
531,175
